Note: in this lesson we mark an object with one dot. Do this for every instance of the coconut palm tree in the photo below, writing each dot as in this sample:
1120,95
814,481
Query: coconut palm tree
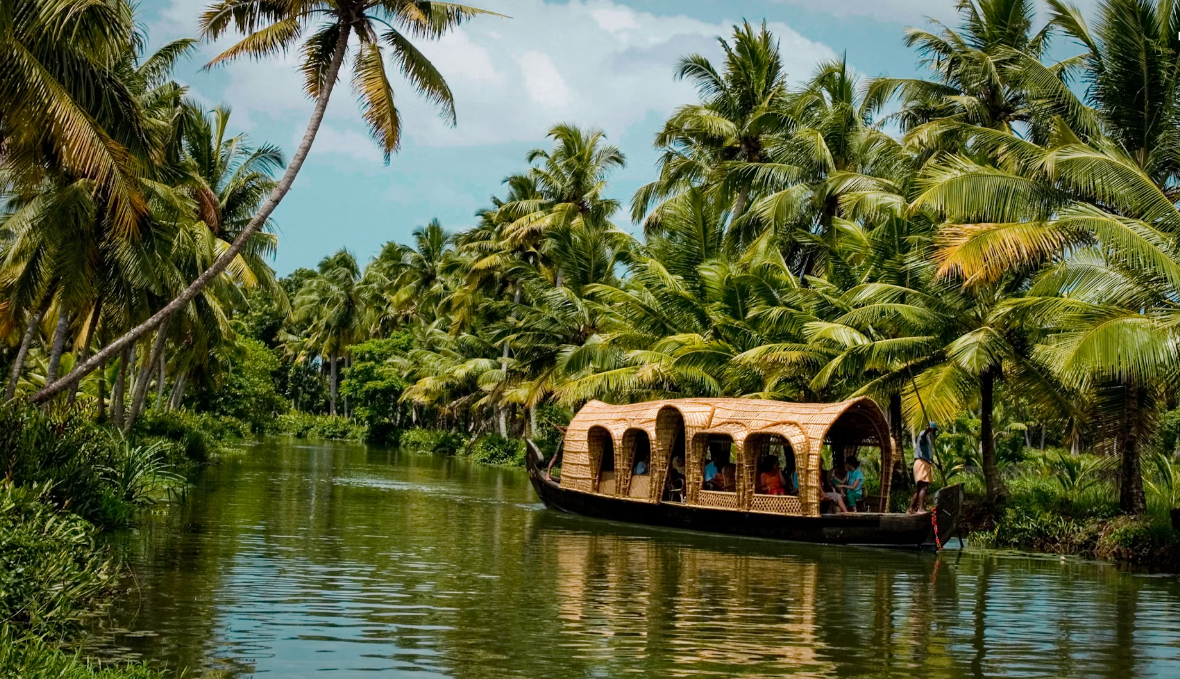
379,27
64,104
331,304
742,106
1101,180
569,183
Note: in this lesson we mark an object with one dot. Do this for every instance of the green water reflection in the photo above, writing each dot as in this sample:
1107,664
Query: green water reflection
301,558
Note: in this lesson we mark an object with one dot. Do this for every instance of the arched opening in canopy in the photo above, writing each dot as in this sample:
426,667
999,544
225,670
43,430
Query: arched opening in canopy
670,446
602,451
774,463
858,441
637,456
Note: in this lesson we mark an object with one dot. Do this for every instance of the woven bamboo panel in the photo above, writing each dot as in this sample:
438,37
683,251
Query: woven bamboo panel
606,483
640,487
694,467
777,504
625,459
712,498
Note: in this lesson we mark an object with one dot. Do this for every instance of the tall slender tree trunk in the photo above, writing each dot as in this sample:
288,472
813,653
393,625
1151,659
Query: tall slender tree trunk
22,354
102,397
223,261
502,415
987,440
87,338
1131,497
145,376
160,382
59,346
901,475
177,398
117,396
332,385
347,364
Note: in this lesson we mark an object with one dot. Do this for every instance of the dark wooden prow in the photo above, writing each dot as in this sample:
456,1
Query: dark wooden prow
948,509
533,459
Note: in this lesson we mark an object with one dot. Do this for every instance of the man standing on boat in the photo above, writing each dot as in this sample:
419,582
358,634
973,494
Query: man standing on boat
923,467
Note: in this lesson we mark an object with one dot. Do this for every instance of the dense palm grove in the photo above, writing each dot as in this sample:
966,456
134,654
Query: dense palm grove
995,243
993,247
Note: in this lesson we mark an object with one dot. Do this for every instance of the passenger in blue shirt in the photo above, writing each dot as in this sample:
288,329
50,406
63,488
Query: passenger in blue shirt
854,485
710,471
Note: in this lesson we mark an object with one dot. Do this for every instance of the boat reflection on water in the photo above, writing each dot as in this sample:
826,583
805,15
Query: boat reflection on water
628,596
296,559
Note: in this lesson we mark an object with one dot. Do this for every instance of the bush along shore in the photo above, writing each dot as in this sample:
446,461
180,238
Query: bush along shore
67,479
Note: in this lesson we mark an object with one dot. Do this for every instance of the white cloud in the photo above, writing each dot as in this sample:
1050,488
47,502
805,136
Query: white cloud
348,143
591,62
595,63
543,81
904,11
909,12
615,19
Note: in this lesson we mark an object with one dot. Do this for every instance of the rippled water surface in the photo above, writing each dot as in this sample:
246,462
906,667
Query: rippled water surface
298,559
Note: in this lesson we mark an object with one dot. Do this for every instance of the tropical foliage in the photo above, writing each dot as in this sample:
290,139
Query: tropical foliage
991,246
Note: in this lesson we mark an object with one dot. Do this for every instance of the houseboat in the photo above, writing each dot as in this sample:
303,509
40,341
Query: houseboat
646,462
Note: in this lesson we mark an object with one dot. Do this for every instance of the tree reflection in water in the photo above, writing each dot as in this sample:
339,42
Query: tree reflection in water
298,558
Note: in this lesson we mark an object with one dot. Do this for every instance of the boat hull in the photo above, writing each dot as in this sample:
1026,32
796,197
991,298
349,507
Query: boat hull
892,530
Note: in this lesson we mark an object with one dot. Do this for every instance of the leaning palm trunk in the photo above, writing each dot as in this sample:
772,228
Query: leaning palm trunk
22,354
987,441
102,388
219,265
160,382
901,475
59,346
503,410
145,377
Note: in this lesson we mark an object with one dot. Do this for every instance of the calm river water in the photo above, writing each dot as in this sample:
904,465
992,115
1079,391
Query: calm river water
297,559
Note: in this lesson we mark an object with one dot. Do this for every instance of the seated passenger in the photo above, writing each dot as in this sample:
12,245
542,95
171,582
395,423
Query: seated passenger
640,464
711,476
728,478
829,494
771,481
854,485
674,488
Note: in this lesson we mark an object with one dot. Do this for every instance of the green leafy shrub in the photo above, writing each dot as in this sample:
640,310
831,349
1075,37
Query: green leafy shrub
199,435
247,392
135,474
548,436
52,572
308,426
495,449
435,441
374,385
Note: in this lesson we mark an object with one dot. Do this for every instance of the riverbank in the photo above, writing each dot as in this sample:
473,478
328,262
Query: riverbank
1065,504
67,480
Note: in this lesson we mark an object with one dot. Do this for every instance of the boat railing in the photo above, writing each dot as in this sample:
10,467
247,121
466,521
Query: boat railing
718,499
777,504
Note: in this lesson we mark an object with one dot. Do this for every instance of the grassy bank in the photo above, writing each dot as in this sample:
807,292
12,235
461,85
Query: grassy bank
67,479
1067,504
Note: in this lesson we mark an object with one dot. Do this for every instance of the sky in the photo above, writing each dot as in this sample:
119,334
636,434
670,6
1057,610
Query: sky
597,63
